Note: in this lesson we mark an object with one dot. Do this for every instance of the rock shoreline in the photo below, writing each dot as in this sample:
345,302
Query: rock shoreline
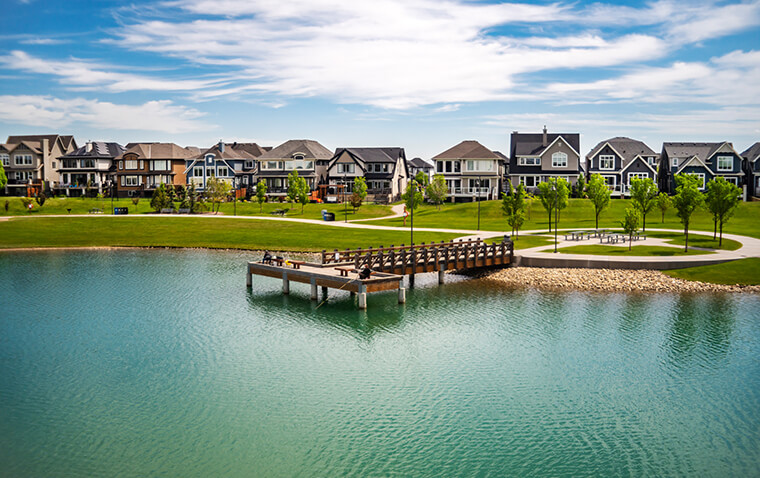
605,280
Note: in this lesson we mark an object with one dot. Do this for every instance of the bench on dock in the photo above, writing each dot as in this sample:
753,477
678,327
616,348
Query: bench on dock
281,260
344,270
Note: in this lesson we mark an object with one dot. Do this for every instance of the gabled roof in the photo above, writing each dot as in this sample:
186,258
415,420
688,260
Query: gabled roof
467,150
692,161
626,148
99,149
309,148
66,141
531,144
632,161
251,148
686,150
752,153
373,155
158,151
228,153
420,163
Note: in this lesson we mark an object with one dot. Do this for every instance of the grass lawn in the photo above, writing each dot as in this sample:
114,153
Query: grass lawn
602,250
578,215
697,240
182,231
743,272
82,206
527,241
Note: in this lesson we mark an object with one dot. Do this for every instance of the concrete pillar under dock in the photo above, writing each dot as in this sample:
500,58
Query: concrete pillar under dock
248,278
362,300
285,283
401,295
314,295
440,275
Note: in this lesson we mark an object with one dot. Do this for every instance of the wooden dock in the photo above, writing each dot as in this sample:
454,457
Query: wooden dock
389,265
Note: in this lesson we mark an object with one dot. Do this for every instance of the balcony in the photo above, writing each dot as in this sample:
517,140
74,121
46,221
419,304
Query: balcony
470,191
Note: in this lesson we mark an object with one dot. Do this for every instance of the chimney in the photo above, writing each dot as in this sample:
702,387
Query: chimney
88,146
221,146
544,141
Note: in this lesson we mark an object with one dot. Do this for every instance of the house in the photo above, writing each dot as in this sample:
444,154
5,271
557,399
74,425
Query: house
385,170
471,171
706,160
418,164
306,156
144,166
30,160
234,163
87,169
620,159
752,169
536,157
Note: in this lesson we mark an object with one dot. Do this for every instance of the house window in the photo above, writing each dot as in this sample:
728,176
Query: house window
650,160
529,181
731,180
529,161
607,162
159,165
23,159
70,163
23,175
346,169
298,157
222,171
701,176
209,172
130,164
631,176
142,164
611,181
439,166
249,164
559,160
725,163
198,172
87,163
131,180
674,162
473,165
6,159
53,164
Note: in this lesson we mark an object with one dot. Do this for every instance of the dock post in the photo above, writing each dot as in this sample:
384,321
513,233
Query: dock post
248,277
362,296
285,283
314,295
401,294
324,292
440,276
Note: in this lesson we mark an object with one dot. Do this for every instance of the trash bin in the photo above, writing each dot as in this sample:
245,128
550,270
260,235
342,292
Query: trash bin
328,216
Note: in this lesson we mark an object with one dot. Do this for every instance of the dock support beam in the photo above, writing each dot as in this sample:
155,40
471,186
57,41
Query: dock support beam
362,300
314,295
248,277
285,283
440,276
401,295
324,292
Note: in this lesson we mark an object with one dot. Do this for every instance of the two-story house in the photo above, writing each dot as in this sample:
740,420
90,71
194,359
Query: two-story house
706,160
536,157
619,160
88,169
144,166
752,169
306,156
418,164
233,163
30,160
472,171
384,169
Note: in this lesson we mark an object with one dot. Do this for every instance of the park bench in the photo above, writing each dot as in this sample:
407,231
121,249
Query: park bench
613,238
96,210
279,212
183,210
344,270
167,210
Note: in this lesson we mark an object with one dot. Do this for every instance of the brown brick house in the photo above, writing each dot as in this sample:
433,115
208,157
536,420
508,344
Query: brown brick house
144,166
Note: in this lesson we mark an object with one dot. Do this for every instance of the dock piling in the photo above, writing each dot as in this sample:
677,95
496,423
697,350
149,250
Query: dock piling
285,283
314,295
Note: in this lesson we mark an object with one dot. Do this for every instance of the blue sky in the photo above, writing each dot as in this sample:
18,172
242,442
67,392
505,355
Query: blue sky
422,74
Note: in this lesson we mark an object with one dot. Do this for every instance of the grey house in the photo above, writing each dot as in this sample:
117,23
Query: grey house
418,164
536,157
752,169
472,171
385,170
88,168
706,160
306,156
619,160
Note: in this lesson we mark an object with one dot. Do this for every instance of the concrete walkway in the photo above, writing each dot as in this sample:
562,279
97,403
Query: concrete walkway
529,257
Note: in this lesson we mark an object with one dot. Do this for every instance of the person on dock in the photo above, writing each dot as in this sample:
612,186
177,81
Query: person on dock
267,259
365,272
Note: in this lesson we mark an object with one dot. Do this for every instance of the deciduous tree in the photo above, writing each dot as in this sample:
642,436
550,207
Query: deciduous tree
437,190
360,189
217,190
630,223
687,200
599,194
643,196
554,197
412,196
261,193
3,177
721,200
663,203
513,206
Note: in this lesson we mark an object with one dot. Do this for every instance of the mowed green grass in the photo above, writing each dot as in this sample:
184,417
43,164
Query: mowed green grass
601,249
56,206
742,272
183,231
579,214
697,240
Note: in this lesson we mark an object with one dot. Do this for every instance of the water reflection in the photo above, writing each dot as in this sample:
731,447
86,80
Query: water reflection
701,329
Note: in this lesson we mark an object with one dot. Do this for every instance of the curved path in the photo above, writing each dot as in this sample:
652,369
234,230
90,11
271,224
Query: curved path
532,256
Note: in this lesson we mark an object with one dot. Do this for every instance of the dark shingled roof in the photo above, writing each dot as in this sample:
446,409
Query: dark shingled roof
66,140
310,148
100,149
230,152
752,152
627,148
373,155
531,144
687,150
468,150
158,151
420,163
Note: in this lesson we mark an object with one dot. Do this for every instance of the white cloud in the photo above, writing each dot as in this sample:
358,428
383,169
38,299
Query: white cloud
47,111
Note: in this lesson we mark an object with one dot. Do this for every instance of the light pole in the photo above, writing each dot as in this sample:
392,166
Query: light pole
345,204
234,197
414,195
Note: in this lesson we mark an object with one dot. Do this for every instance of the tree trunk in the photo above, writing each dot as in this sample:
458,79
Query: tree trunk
596,218
686,242
550,220
630,237
644,222
715,228
720,242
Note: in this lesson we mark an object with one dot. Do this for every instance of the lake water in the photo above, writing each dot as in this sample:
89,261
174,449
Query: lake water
145,363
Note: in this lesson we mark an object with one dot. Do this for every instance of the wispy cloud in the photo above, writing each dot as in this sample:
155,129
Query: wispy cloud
47,111
44,41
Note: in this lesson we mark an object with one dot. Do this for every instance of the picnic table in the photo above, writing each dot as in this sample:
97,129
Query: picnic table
577,235
600,232
96,210
279,212
292,262
613,238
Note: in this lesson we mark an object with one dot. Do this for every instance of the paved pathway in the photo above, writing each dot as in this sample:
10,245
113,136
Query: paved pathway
750,246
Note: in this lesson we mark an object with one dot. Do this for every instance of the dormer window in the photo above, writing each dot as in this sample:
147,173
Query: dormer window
725,163
298,157
674,162
209,159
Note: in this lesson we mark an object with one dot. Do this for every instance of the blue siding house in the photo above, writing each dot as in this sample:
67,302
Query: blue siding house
619,160
234,163
706,160
752,169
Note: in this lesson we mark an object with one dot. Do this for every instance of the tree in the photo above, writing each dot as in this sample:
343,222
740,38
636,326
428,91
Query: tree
40,197
160,200
721,200
216,191
360,188
554,197
599,195
580,186
643,197
355,200
303,192
513,206
3,177
294,186
422,179
687,200
437,191
663,202
630,223
261,193
412,196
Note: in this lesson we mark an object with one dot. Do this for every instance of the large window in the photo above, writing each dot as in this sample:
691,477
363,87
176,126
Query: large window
559,160
160,165
130,164
23,159
222,171
529,161
529,181
23,175
87,163
198,172
130,181
69,163
607,162
632,176
298,164
346,168
725,163
732,180
473,165
6,159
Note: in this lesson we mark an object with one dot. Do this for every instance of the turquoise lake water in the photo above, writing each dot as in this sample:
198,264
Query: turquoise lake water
146,363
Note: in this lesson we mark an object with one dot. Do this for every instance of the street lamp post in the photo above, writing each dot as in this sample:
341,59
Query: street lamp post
345,203
414,195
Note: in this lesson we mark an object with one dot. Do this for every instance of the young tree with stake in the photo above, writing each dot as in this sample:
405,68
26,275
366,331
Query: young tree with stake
643,197
599,195
687,200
